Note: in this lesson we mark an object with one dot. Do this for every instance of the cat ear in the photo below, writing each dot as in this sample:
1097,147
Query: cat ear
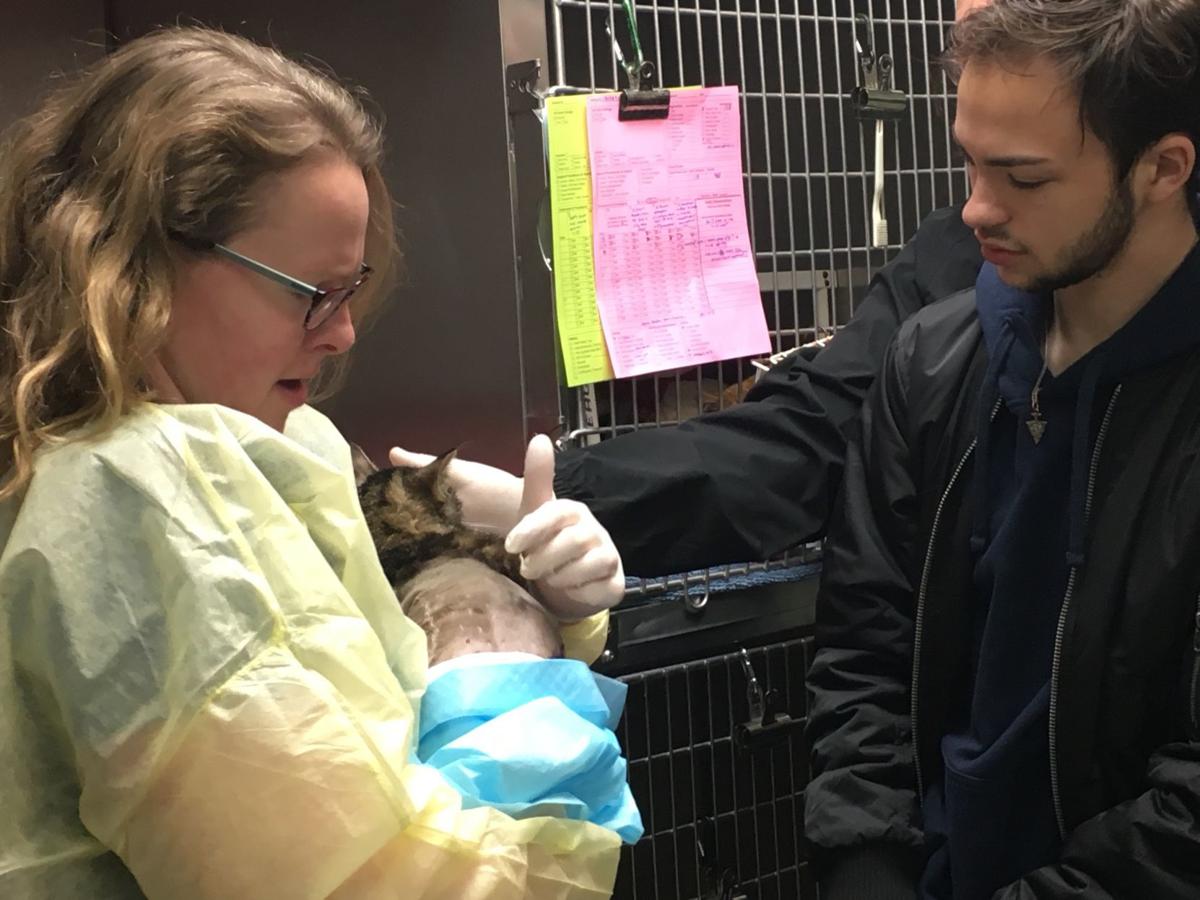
434,474
363,467
442,461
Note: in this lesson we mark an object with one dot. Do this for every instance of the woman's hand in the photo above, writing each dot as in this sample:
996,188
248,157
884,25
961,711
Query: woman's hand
564,550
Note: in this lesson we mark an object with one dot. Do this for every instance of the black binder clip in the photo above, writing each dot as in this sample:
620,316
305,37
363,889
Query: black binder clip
875,98
769,725
647,101
641,100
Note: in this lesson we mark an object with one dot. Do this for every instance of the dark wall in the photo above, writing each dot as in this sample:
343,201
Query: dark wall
40,39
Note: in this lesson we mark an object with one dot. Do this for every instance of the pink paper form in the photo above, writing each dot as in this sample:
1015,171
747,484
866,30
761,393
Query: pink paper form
675,278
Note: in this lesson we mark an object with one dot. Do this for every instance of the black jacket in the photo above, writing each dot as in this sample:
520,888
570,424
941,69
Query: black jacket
751,481
893,619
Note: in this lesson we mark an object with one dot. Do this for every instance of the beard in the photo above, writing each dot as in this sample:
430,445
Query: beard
1095,250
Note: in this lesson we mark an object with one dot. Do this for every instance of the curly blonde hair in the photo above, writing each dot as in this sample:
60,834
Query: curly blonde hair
167,136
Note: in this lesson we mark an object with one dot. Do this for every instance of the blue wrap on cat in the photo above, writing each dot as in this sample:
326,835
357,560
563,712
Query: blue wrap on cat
531,738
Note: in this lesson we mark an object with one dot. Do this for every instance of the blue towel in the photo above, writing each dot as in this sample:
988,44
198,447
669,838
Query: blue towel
532,738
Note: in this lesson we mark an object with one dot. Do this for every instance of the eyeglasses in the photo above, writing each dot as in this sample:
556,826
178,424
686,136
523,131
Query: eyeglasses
322,303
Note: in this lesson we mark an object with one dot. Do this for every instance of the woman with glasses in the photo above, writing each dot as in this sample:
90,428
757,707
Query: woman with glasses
207,688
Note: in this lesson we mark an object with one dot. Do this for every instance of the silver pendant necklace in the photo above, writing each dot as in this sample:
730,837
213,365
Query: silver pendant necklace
1035,423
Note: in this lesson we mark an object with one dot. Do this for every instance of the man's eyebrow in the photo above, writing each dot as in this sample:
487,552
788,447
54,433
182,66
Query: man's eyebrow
1004,162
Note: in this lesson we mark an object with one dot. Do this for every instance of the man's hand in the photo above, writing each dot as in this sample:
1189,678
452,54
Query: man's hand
568,555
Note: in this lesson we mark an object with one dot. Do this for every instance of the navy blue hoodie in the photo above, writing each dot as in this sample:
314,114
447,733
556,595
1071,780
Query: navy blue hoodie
991,820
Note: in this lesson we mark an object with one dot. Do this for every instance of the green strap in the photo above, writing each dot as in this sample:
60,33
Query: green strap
631,17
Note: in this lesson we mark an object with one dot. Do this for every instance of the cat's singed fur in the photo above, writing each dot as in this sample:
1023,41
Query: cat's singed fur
459,584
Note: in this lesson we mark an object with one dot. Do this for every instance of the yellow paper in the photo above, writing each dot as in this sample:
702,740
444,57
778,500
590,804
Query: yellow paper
585,356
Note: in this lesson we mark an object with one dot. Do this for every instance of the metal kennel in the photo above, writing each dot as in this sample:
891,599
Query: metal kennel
713,732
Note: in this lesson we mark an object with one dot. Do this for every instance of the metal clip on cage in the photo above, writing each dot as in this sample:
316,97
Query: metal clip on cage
875,98
769,725
641,100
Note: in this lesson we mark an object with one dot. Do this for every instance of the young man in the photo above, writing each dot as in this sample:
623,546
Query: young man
1004,696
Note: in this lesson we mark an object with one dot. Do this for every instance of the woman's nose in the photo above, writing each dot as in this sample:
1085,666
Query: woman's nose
336,334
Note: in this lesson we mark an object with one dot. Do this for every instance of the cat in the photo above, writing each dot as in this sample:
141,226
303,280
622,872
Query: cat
457,583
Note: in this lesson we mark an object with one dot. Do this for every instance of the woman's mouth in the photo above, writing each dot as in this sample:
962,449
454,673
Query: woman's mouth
295,389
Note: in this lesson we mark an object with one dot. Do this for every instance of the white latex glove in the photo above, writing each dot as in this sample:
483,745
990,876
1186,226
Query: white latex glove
567,553
490,497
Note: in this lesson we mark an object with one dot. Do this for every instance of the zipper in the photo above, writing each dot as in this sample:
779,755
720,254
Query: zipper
914,702
1060,632
1196,672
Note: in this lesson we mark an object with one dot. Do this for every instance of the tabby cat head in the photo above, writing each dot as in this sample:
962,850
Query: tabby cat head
403,504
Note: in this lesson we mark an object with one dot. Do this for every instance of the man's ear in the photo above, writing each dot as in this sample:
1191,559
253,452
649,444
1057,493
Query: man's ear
363,467
1170,164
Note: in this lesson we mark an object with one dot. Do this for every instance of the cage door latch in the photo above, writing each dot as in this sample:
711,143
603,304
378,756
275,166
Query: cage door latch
520,82
769,725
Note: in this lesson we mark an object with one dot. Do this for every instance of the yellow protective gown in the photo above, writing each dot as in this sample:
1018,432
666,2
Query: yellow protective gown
208,690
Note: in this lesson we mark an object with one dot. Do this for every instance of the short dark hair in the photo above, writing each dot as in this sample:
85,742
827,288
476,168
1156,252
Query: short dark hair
1134,64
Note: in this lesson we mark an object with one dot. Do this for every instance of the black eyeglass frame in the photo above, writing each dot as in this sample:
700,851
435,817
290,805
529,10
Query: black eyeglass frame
323,302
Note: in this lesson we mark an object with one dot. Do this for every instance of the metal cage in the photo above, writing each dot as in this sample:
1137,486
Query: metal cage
724,820
809,176
722,813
